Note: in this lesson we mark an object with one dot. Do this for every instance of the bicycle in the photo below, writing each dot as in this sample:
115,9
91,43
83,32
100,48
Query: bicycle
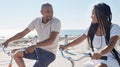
9,53
81,56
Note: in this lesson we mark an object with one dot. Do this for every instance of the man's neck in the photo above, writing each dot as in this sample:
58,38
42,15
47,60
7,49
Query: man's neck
44,20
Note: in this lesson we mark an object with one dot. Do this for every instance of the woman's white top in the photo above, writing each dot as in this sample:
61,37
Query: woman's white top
99,42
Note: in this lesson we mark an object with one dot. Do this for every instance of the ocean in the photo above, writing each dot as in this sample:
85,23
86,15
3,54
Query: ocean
71,32
7,33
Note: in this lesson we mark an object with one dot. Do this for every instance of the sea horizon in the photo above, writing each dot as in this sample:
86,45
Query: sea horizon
7,33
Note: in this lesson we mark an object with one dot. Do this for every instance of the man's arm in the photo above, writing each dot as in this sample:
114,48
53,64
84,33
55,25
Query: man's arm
17,36
48,41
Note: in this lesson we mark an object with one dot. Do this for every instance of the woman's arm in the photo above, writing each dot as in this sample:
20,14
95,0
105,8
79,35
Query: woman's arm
111,45
75,42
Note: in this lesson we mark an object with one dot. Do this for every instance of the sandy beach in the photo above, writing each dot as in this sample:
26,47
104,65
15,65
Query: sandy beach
59,62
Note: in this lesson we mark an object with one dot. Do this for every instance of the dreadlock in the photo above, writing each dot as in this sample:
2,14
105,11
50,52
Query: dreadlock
104,17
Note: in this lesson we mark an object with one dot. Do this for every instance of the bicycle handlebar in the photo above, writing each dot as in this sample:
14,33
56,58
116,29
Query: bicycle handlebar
83,55
71,59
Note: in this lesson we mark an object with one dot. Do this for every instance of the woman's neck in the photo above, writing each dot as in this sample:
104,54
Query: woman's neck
100,31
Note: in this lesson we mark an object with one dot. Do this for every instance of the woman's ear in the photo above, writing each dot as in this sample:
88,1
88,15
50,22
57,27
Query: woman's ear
41,12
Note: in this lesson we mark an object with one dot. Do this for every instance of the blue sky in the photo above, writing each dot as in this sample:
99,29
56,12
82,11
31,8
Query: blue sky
74,14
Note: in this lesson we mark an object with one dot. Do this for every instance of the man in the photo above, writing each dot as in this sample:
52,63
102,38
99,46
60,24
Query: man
48,29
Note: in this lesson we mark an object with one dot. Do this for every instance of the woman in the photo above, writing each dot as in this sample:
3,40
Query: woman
102,36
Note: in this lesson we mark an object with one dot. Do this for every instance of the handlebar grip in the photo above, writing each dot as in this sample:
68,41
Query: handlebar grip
104,58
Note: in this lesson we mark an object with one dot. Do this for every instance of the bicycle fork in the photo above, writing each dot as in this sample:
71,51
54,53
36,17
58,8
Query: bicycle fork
10,63
72,62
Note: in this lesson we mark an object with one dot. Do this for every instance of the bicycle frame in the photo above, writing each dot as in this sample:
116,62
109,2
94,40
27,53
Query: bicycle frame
11,54
82,55
72,59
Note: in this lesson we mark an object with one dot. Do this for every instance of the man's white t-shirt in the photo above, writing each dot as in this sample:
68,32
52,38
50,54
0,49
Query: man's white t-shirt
99,42
44,30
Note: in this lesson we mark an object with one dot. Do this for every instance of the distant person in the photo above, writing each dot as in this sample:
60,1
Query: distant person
102,36
48,28
66,39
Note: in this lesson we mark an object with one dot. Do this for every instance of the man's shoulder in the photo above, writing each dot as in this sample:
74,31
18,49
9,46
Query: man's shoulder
38,18
55,20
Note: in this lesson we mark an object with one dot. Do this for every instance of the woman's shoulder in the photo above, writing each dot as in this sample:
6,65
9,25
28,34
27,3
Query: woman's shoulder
115,30
115,26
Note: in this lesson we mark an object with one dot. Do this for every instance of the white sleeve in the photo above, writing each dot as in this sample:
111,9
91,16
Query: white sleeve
115,30
86,32
56,26
31,26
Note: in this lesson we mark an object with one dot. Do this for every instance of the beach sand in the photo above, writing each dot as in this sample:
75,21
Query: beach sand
59,62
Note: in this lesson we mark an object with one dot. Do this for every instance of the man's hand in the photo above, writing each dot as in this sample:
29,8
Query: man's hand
30,49
5,44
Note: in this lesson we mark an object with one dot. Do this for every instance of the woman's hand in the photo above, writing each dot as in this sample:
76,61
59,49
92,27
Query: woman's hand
96,56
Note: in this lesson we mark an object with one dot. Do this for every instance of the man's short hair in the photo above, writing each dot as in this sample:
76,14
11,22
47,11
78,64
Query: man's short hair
45,5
